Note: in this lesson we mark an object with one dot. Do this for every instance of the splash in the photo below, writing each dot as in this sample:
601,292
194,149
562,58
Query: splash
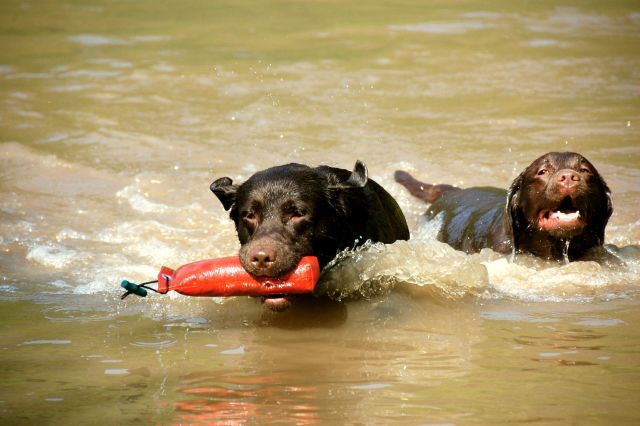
53,255
426,267
534,279
108,243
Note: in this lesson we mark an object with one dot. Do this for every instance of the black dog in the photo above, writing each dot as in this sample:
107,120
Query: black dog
557,208
287,212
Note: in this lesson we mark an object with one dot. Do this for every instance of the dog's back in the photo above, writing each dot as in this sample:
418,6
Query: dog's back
472,219
371,211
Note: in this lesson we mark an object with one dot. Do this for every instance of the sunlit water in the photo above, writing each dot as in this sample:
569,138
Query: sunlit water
116,117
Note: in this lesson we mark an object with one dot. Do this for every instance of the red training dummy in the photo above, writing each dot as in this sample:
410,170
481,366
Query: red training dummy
226,277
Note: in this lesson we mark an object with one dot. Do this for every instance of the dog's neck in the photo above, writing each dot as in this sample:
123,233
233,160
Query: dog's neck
541,244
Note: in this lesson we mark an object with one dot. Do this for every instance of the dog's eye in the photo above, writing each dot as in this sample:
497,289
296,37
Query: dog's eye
542,172
249,216
296,214
584,170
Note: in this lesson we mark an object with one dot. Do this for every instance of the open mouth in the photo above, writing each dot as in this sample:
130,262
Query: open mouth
565,217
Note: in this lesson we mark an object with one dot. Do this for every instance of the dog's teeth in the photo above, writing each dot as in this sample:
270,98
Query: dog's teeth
565,216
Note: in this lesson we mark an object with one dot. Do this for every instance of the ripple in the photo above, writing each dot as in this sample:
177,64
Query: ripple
150,38
545,43
91,74
236,351
442,27
116,371
71,88
514,316
161,344
372,386
31,75
600,322
114,63
101,40
96,40
46,342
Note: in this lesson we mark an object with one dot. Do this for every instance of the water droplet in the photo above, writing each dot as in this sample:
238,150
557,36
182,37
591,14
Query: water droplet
565,251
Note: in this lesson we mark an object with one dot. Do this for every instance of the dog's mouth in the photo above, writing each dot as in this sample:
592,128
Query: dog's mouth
566,217
277,303
269,273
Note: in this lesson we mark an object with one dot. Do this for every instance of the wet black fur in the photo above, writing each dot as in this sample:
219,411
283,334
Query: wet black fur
505,220
295,210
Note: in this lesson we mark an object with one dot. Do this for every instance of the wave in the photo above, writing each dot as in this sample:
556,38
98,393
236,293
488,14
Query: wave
429,267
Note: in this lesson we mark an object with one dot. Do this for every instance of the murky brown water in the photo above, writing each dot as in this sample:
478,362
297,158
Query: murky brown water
116,116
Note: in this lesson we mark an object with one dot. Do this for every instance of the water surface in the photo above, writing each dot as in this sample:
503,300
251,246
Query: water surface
116,116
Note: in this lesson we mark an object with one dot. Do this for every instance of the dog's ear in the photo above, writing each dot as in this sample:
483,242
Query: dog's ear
607,208
357,179
515,223
342,195
359,175
224,189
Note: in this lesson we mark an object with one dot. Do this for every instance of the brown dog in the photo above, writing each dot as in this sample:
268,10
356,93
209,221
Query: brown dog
286,212
557,208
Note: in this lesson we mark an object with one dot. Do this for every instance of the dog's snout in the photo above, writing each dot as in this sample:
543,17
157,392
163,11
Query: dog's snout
567,178
263,257
270,256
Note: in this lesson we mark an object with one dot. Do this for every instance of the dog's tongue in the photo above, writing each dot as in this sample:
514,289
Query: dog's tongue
277,304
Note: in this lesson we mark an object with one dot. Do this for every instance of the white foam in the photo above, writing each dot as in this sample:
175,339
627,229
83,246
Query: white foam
97,285
139,201
133,231
70,234
551,281
431,267
52,255
108,277
154,250
60,284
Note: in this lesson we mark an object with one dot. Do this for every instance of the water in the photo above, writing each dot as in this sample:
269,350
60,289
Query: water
116,116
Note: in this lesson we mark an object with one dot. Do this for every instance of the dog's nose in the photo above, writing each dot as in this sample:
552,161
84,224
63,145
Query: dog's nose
263,257
567,178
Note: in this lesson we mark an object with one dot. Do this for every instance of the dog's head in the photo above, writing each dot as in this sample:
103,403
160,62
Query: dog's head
560,195
286,212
